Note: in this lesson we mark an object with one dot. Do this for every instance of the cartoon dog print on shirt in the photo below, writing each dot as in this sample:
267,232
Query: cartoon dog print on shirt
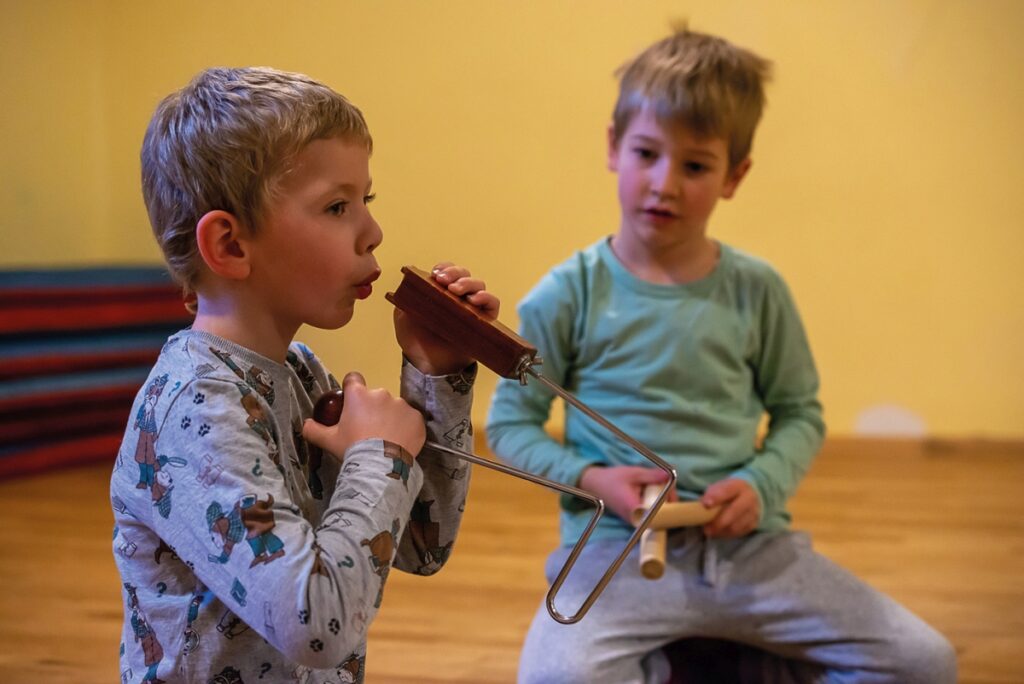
382,551
250,519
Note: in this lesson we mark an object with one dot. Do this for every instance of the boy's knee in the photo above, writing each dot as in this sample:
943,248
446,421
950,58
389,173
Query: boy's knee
553,671
565,664
925,656
938,660
545,670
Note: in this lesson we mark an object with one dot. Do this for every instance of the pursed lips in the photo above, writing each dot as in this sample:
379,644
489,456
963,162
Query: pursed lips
365,288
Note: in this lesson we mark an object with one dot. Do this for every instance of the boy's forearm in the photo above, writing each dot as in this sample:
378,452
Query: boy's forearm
527,445
788,384
445,402
789,448
352,551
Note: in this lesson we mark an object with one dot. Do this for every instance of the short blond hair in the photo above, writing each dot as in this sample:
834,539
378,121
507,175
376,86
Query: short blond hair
222,141
700,81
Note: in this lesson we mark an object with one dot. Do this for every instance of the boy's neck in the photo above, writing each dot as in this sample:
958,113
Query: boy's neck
253,330
683,262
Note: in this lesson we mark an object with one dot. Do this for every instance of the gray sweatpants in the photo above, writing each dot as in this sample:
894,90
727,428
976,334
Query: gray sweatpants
813,620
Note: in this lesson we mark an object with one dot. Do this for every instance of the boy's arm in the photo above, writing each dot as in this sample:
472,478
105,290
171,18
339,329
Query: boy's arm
515,423
310,592
787,381
445,403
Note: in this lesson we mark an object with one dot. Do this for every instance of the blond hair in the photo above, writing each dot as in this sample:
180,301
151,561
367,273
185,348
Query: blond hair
222,141
697,80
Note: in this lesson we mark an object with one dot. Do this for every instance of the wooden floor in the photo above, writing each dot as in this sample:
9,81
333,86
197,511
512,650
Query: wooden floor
938,526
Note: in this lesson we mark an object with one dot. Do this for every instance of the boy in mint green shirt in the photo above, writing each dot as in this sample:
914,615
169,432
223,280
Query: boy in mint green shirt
685,343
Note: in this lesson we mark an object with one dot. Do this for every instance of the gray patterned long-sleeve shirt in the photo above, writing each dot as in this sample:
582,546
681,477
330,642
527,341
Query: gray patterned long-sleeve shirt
245,552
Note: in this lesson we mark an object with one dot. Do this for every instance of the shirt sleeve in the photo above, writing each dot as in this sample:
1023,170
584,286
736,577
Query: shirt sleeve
787,382
518,413
445,402
230,515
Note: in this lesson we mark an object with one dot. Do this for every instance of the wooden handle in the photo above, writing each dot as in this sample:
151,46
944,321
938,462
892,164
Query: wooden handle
677,514
652,541
460,323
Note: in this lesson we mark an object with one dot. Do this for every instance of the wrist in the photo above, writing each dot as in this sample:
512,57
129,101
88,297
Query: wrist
428,367
586,476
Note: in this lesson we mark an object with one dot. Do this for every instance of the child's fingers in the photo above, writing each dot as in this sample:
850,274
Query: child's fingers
447,273
733,521
641,476
441,266
466,285
351,379
315,433
724,520
651,475
720,493
459,281
740,513
486,302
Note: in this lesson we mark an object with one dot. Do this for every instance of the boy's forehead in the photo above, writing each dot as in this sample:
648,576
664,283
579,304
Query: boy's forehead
645,124
330,162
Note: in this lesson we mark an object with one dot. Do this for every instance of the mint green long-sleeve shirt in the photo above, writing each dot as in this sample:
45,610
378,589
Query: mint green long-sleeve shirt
688,370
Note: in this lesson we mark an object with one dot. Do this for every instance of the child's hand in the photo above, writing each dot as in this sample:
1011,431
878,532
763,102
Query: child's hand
741,508
369,414
622,487
431,354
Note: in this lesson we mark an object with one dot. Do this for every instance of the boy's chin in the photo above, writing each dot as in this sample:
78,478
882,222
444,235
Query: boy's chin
336,319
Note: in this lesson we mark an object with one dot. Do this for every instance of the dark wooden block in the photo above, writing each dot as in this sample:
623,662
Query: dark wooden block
460,323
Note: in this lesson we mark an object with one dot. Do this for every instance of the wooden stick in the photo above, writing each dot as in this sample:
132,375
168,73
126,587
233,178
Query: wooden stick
652,541
677,514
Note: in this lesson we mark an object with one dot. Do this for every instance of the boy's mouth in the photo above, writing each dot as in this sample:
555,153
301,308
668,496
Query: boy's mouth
365,288
658,212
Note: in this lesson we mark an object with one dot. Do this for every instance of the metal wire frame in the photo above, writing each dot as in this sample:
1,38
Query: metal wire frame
526,368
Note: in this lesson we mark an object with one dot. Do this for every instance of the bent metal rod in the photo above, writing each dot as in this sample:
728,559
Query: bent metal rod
510,356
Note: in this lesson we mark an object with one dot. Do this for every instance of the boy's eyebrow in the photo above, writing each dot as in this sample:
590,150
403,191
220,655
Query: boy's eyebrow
640,137
347,187
693,151
701,152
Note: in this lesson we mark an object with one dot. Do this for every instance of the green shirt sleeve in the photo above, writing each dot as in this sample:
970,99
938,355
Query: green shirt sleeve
787,382
515,425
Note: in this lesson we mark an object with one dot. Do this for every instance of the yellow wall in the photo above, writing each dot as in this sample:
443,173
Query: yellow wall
886,184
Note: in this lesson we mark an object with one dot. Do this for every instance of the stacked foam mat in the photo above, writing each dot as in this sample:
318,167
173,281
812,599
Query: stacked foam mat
75,347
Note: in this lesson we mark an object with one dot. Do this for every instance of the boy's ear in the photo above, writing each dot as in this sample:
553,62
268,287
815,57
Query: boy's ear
220,237
734,177
613,150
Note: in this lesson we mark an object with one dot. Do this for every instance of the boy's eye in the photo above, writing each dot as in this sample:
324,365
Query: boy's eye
369,198
337,209
695,167
644,152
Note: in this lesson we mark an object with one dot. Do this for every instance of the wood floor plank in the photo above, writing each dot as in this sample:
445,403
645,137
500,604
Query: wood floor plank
939,526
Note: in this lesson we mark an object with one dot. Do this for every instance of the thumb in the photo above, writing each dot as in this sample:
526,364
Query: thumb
315,433
717,493
652,476
353,378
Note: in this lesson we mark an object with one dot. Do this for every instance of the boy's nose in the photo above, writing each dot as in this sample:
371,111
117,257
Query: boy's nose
665,181
373,236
